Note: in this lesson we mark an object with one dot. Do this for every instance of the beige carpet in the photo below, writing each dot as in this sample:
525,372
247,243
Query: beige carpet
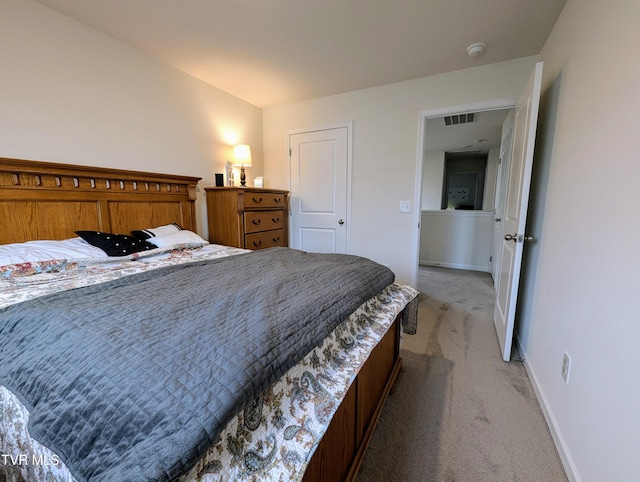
458,412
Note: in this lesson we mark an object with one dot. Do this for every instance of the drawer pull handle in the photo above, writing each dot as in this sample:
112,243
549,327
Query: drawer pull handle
258,243
277,199
257,201
256,222
275,220
275,240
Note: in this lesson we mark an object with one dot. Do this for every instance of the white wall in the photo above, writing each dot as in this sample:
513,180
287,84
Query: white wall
385,148
432,180
456,239
582,297
71,94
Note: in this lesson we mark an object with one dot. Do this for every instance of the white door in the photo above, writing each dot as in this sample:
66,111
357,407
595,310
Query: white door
501,194
319,190
515,214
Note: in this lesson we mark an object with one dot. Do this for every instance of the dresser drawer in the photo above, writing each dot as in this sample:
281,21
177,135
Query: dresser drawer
265,239
256,221
257,199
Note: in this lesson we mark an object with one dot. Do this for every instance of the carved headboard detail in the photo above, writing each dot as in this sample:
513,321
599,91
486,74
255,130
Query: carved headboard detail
44,200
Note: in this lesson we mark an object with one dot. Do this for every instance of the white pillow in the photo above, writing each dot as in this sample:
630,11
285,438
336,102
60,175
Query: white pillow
181,237
159,231
43,250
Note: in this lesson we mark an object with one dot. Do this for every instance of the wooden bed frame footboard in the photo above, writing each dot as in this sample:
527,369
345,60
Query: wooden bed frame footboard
341,451
43,200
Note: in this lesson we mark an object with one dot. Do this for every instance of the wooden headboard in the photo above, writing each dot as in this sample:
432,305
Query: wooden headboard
43,200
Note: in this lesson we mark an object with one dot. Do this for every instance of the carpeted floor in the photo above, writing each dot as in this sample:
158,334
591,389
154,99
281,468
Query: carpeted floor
458,412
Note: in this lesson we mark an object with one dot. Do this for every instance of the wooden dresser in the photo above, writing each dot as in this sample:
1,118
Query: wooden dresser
251,218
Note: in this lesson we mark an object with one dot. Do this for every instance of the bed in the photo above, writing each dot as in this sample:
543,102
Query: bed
314,392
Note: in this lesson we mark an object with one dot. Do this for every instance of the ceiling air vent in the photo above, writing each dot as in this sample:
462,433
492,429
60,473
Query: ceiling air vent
452,120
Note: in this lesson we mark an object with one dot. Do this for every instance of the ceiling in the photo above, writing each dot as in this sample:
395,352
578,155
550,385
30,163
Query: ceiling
271,52
484,133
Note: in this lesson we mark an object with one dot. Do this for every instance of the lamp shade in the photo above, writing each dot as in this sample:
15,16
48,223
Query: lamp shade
242,154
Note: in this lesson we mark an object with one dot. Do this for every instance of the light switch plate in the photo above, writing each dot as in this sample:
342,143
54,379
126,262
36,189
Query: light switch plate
405,206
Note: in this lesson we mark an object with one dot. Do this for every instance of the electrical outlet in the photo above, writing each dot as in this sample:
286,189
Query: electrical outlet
405,206
566,367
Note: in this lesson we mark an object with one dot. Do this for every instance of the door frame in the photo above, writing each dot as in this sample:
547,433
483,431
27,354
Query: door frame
325,127
495,104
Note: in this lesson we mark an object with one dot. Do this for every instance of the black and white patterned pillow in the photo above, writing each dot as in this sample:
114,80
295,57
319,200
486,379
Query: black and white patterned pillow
115,244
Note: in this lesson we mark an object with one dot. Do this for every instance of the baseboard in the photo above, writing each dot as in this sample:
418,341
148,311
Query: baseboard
563,451
469,267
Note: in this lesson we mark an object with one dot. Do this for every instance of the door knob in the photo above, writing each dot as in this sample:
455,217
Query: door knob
497,220
518,238
340,221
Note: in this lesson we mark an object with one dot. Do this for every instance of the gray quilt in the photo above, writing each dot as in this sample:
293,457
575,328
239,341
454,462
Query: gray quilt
134,379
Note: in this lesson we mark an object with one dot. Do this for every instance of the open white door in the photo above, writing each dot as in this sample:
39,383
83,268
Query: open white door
501,195
319,190
515,215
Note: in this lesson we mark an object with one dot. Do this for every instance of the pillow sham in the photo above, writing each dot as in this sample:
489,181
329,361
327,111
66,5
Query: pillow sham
159,231
115,244
45,250
183,236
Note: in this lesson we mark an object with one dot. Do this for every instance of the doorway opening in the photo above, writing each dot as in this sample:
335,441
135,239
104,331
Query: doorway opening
462,171
463,185
522,129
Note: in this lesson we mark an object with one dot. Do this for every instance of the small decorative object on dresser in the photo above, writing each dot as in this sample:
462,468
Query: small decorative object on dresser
249,218
242,156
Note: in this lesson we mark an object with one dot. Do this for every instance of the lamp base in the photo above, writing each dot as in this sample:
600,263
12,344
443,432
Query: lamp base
243,179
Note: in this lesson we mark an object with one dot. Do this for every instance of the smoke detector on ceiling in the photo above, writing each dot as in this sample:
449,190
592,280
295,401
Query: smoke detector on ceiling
476,49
